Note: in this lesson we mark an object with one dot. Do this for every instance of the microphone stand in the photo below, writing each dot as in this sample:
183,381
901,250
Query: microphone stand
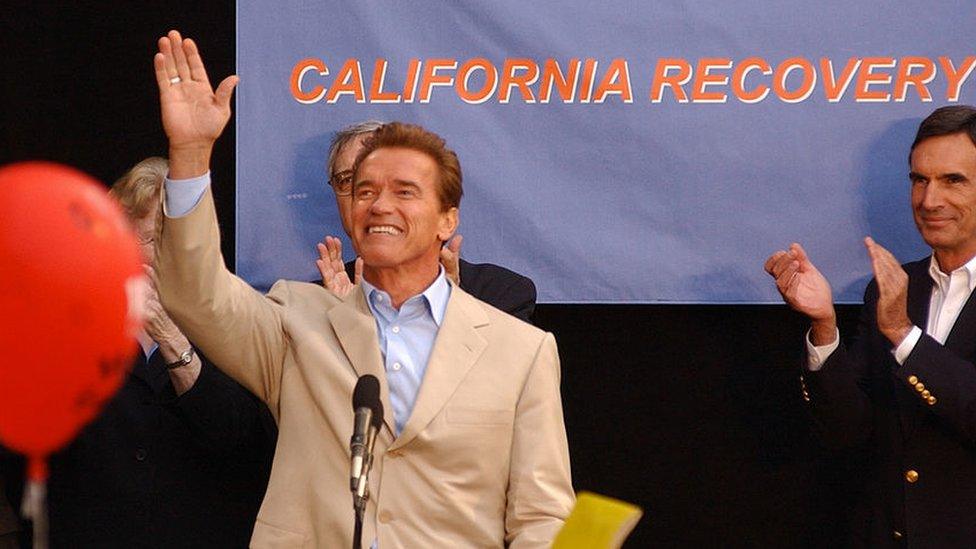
360,495
359,505
357,536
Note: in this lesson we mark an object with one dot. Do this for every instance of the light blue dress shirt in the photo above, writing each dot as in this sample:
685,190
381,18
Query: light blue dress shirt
181,195
406,339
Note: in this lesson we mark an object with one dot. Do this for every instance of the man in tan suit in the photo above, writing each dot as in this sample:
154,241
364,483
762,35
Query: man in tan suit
473,450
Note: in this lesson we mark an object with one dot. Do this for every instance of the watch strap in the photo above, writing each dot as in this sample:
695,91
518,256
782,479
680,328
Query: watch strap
185,358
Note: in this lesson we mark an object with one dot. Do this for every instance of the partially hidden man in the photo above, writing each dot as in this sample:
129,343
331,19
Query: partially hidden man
905,389
473,449
181,454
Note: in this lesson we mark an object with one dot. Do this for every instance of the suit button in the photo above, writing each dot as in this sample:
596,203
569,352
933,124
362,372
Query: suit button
141,454
926,394
931,401
911,476
920,387
385,516
896,534
913,380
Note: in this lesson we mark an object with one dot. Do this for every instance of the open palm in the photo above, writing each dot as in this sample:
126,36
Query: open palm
193,113
333,270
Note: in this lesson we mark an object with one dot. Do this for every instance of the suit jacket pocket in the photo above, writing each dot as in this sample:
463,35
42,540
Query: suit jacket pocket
266,535
478,416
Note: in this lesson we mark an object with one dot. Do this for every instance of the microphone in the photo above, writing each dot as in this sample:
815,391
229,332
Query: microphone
360,496
365,404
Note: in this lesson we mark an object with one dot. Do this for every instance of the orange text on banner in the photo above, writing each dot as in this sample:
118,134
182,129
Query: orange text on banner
588,80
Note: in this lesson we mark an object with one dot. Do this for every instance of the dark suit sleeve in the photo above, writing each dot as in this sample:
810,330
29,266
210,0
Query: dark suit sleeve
11,474
520,301
853,380
499,287
839,394
222,415
949,380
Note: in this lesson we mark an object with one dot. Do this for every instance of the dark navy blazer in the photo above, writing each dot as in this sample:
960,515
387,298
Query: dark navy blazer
915,424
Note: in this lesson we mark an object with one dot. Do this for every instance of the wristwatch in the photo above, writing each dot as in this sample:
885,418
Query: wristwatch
185,359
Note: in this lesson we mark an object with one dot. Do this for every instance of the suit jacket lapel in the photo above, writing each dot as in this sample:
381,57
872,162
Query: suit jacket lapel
919,293
355,328
140,367
960,340
456,349
152,372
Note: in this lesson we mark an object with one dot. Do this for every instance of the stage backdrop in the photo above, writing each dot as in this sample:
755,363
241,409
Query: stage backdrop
637,152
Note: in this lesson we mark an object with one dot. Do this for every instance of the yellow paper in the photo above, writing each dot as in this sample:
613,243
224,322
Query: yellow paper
597,522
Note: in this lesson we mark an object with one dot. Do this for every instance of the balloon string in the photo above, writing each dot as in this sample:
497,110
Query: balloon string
34,506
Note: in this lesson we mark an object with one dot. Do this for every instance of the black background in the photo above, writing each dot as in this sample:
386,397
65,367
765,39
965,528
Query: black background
693,412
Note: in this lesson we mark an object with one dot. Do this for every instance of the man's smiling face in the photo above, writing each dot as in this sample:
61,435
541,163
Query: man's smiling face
944,196
398,220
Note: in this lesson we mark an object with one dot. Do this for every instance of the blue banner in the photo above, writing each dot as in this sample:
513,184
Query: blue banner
614,152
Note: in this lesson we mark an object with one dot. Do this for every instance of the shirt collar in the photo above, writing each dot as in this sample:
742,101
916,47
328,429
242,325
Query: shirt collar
941,278
435,296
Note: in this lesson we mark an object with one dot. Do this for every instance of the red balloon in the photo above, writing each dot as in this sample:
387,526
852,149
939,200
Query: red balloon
70,305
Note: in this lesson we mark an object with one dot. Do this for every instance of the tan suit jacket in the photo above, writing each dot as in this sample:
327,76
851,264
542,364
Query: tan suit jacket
483,459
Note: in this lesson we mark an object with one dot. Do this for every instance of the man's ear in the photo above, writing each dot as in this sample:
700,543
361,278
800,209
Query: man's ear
448,224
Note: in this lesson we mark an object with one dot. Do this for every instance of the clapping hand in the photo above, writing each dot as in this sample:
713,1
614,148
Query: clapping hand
804,289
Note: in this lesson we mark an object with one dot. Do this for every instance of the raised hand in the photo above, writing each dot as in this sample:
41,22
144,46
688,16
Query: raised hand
892,281
451,259
194,115
805,290
333,271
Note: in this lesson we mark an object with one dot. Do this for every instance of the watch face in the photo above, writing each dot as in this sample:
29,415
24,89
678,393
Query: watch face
185,359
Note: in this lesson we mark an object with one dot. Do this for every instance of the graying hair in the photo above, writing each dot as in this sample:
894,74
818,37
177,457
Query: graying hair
138,191
347,134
